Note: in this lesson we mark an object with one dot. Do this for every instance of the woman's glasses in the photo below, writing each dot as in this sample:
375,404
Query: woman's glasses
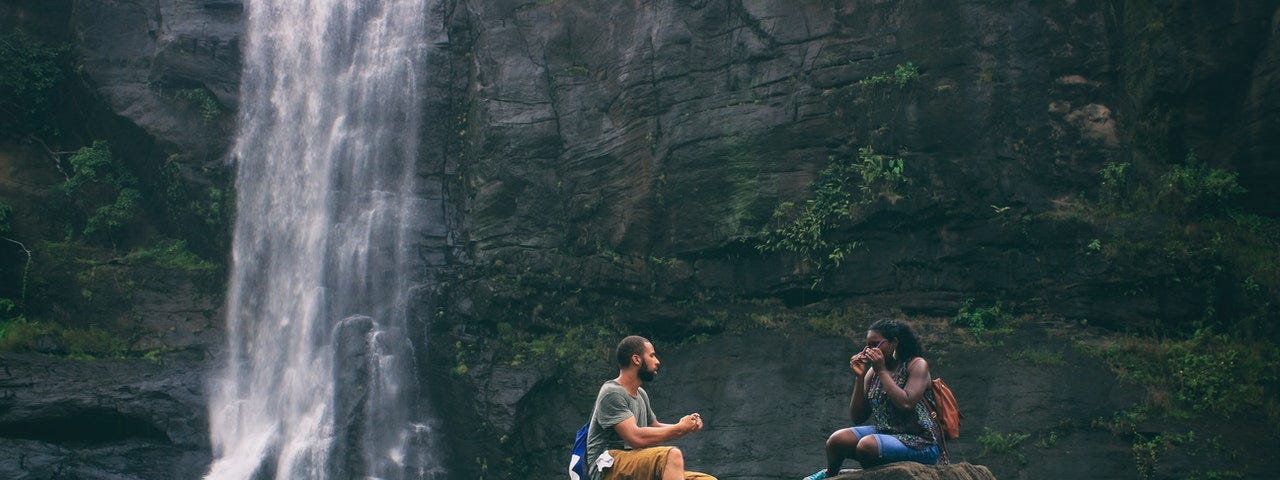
876,345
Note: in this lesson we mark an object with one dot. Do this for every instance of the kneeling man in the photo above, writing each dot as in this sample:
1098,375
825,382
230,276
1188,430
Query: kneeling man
624,434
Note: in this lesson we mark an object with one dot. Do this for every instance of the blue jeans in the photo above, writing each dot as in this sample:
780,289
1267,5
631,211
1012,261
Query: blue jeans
892,449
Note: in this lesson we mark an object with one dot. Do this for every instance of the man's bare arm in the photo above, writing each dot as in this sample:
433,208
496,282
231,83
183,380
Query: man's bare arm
656,433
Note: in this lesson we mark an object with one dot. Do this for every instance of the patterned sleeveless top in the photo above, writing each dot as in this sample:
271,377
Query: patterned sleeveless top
915,429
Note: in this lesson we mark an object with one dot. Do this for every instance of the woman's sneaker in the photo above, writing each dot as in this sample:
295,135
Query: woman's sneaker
819,475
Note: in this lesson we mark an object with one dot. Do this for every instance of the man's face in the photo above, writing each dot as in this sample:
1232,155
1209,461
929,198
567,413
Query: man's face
648,364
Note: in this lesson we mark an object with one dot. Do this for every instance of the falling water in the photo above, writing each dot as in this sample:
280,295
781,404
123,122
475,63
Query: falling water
319,380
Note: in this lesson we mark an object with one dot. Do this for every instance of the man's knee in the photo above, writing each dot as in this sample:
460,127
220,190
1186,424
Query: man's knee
675,459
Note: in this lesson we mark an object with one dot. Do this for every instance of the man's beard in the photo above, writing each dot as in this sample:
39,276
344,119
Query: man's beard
645,373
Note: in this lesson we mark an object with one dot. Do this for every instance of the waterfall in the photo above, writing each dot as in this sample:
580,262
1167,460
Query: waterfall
319,379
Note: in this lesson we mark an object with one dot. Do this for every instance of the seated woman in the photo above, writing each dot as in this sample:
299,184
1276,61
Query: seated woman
890,379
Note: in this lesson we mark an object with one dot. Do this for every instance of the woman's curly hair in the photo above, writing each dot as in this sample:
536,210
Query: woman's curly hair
909,345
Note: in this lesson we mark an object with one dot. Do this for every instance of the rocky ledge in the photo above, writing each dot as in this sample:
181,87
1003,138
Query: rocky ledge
916,471
67,418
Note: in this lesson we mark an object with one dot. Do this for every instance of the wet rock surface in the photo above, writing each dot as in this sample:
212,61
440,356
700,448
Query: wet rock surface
157,63
107,418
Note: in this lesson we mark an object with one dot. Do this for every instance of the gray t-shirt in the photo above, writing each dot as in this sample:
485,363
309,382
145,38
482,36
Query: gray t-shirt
613,405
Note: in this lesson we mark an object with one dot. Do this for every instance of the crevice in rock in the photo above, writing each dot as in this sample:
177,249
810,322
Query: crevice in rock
84,428
799,297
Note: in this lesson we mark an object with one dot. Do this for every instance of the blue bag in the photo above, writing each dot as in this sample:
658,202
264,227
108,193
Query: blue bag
578,457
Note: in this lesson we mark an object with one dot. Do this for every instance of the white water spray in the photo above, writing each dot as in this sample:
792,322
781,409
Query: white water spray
319,380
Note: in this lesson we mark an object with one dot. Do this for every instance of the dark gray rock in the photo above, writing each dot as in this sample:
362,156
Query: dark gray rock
151,60
672,130
350,391
125,419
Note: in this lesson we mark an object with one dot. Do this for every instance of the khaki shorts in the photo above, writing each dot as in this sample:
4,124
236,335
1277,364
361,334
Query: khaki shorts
643,464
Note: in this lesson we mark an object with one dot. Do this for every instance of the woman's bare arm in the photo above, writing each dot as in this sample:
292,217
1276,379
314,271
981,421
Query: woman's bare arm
917,381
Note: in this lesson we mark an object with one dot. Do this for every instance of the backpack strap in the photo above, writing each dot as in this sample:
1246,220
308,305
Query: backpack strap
944,458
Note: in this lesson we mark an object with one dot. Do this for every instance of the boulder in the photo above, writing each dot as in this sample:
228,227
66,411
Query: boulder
916,471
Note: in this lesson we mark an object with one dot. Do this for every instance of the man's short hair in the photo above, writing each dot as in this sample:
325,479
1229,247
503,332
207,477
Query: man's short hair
632,345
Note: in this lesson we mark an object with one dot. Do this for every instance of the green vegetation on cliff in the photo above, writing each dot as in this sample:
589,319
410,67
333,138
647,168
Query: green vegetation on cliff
201,99
31,75
816,230
100,202
901,76
90,234
5,212
1179,232
1179,229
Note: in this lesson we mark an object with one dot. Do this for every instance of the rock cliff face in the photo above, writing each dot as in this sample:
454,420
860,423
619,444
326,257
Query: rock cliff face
616,160
600,134
126,419
150,61
633,149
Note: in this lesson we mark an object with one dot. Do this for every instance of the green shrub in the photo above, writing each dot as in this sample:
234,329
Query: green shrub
901,76
1147,451
1115,182
72,282
30,76
18,333
93,168
571,347
202,100
979,320
200,208
112,220
460,361
1216,375
5,212
1178,228
1048,441
21,334
1205,374
171,254
840,191
996,443
1124,422
93,342
99,200
1198,189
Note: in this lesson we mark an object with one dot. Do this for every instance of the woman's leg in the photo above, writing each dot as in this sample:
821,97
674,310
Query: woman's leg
881,449
839,447
867,452
843,444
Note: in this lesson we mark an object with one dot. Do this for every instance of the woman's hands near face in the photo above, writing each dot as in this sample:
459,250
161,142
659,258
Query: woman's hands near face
858,364
876,357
